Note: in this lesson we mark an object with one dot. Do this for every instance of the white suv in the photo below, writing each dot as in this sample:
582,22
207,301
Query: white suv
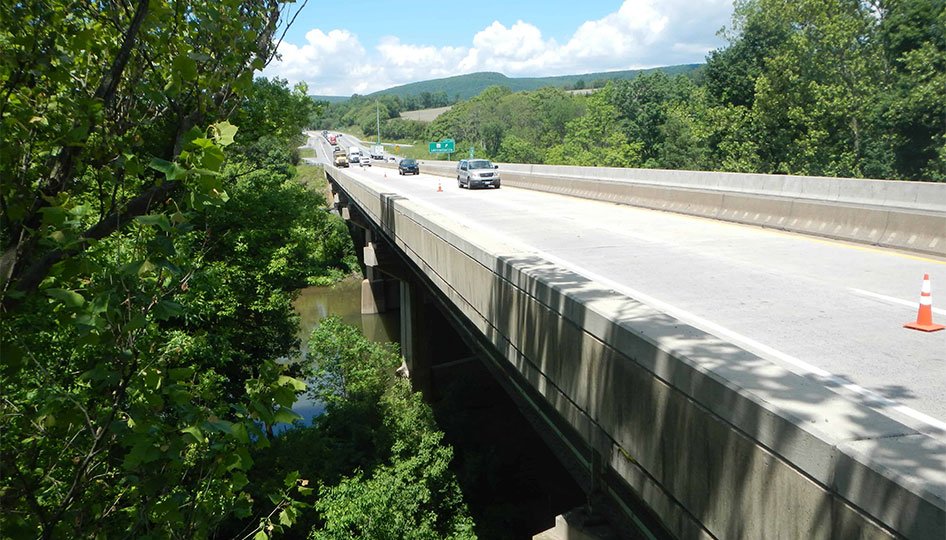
477,173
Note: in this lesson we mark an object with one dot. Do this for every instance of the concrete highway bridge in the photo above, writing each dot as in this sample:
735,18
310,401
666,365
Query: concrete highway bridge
727,350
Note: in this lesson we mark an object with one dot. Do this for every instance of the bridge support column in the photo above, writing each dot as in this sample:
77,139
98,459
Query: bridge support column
415,341
379,293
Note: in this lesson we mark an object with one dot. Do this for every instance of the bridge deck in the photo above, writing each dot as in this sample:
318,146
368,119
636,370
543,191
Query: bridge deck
830,312
826,309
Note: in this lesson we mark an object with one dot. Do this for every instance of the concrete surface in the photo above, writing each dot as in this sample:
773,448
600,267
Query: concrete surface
576,525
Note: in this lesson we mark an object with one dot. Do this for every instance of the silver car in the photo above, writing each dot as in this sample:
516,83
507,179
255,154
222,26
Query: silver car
477,173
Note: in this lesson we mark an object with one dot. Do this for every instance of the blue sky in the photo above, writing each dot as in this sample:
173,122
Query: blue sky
344,48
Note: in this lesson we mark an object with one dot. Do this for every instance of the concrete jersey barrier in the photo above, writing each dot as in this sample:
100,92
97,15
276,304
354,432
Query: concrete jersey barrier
889,213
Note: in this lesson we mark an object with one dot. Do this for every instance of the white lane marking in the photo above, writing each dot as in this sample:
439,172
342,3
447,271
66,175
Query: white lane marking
874,399
892,300
749,343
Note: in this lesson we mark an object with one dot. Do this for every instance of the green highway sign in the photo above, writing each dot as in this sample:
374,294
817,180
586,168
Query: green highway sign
446,146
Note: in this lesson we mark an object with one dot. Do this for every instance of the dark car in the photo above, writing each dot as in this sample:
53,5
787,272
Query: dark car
408,166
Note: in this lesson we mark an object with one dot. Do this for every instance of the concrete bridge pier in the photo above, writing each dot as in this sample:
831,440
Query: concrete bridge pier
415,338
378,292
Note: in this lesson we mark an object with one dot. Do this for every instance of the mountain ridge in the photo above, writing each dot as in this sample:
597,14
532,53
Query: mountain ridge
471,84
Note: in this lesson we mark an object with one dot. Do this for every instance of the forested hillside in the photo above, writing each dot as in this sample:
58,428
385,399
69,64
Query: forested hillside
472,84
852,88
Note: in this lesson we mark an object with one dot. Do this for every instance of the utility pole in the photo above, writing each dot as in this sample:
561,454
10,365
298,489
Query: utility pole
377,111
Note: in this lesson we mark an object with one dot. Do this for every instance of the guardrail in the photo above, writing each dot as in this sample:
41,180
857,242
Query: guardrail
889,213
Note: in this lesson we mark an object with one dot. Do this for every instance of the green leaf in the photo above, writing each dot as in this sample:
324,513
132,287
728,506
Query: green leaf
261,536
286,415
185,67
160,220
224,133
145,268
54,216
137,322
153,379
167,309
239,433
297,385
239,480
241,460
284,396
143,451
71,299
212,158
209,181
172,171
179,374
195,432
287,516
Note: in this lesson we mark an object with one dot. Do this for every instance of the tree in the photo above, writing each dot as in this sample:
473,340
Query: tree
124,413
913,111
474,122
683,143
145,75
813,99
643,105
517,150
389,471
273,110
731,72
597,138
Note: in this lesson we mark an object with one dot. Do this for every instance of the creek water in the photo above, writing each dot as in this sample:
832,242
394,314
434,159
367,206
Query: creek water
344,301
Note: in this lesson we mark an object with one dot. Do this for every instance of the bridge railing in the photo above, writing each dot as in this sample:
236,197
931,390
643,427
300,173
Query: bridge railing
888,213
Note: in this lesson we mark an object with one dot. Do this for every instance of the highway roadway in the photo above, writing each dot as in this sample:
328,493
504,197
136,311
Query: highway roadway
828,310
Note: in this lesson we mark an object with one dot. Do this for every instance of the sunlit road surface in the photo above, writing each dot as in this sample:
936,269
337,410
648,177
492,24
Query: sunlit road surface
828,310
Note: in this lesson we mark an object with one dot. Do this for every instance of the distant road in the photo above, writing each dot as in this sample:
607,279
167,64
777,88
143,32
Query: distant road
425,115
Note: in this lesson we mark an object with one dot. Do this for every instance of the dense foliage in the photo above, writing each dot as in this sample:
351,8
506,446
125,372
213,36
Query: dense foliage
149,251
815,87
376,458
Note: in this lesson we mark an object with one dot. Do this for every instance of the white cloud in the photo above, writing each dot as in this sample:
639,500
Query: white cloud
324,61
419,60
641,33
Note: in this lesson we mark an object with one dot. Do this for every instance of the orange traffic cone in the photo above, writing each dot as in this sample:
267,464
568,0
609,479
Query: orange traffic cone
924,317
439,187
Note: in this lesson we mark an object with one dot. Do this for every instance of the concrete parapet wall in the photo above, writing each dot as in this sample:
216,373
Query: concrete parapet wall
888,213
719,442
